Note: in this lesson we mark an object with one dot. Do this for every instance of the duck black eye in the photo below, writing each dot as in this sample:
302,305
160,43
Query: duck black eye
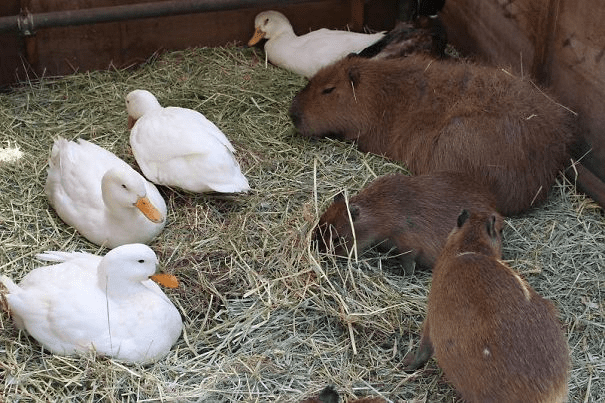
266,21
141,261
124,186
328,90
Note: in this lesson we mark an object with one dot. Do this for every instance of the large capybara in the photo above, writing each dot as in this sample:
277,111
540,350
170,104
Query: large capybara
412,214
494,337
440,115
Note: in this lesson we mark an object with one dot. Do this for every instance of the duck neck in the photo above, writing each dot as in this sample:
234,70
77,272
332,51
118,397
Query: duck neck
286,33
117,287
114,209
120,213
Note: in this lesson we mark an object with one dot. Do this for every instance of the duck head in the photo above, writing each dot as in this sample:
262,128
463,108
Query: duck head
269,24
138,103
124,189
125,267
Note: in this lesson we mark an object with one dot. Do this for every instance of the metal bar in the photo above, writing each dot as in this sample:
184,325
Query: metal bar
27,23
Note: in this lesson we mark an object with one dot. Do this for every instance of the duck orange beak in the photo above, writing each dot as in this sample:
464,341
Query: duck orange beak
167,280
149,210
258,35
131,122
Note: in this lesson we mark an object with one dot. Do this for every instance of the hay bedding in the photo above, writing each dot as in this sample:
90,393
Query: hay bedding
266,318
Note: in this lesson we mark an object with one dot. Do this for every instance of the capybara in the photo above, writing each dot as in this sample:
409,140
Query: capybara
330,395
443,115
412,214
494,337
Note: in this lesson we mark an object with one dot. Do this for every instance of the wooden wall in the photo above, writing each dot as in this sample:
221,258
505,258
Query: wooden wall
64,50
560,43
11,45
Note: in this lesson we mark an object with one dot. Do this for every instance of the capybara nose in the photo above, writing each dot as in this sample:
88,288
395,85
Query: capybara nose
295,118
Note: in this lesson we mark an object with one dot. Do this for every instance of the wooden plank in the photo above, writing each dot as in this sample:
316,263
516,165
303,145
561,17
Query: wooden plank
382,15
356,20
64,50
578,71
559,43
12,47
483,29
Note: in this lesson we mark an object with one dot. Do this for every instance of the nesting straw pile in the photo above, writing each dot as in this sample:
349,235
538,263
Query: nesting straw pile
266,318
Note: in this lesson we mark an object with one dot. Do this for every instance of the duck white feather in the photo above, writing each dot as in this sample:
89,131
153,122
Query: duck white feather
305,54
101,196
179,147
86,302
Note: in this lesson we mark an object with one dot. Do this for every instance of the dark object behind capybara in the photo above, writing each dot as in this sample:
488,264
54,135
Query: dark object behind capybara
422,35
440,115
330,395
494,337
412,214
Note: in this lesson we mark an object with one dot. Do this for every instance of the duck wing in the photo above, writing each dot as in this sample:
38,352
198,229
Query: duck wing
75,171
48,305
176,147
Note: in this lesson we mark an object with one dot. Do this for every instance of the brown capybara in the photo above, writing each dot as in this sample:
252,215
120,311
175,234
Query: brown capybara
330,395
494,337
412,214
440,115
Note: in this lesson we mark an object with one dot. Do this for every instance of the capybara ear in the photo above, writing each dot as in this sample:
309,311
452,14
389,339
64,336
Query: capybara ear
354,209
354,75
492,230
464,214
340,196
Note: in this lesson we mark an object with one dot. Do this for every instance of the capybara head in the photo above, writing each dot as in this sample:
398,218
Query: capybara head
477,232
334,229
333,102
327,395
330,395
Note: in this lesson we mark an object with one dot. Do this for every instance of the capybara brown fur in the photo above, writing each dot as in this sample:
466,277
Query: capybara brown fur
443,115
412,214
330,395
494,337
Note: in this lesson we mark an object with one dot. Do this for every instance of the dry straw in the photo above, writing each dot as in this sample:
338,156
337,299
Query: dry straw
266,317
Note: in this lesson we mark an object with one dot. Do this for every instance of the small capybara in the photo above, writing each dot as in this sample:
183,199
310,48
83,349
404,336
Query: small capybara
443,115
409,213
494,337
330,395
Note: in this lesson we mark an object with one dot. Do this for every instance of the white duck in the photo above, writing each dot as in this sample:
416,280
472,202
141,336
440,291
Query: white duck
108,304
180,147
305,54
101,196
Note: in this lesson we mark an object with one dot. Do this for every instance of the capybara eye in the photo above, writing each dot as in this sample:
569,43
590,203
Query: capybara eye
328,90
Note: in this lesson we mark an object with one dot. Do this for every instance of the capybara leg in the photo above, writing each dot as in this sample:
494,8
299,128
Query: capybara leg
424,352
408,262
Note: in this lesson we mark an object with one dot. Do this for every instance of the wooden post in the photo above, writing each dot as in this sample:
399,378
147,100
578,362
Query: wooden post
357,11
